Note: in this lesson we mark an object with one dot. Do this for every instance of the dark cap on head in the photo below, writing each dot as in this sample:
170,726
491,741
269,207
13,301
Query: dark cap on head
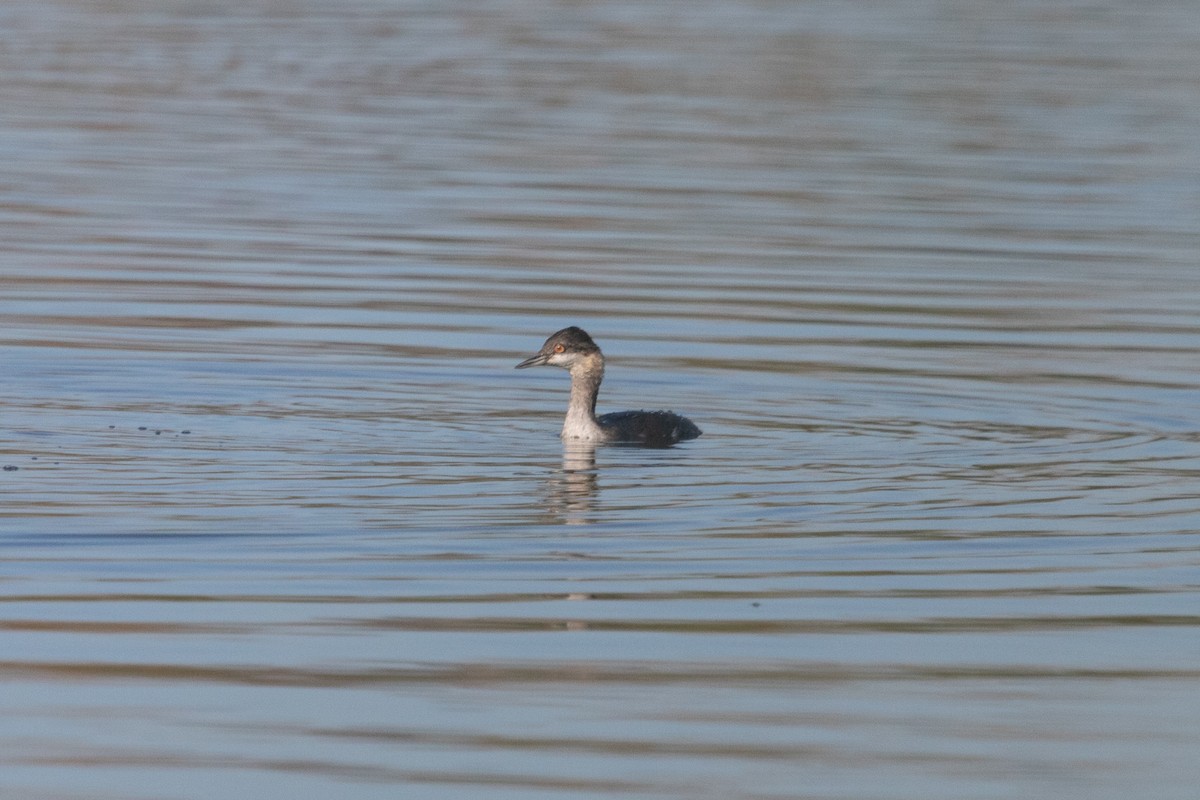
574,339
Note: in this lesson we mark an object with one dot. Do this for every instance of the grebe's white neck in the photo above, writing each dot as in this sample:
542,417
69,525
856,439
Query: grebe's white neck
586,374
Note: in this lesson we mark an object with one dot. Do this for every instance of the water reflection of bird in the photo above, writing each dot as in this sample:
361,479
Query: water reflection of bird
573,350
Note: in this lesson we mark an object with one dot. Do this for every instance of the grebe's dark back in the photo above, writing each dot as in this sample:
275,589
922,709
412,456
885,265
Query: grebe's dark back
573,350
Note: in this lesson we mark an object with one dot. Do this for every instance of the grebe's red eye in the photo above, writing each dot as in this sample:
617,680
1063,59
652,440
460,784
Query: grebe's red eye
558,348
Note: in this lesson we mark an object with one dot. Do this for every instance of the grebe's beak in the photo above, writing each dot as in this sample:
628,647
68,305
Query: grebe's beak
533,361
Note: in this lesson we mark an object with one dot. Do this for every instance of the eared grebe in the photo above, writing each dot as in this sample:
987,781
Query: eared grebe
573,350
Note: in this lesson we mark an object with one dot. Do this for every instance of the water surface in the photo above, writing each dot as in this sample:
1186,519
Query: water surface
279,519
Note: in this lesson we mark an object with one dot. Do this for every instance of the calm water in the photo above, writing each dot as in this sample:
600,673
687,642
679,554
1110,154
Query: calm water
278,518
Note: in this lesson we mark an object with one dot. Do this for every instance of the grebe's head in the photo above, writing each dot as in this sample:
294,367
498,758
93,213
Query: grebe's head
563,349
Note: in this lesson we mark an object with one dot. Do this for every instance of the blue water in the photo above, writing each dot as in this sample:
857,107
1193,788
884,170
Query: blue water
280,520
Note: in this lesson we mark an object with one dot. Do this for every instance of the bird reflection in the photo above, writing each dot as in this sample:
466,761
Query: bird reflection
571,491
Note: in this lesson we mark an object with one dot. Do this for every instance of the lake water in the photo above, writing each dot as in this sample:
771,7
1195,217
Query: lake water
278,519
